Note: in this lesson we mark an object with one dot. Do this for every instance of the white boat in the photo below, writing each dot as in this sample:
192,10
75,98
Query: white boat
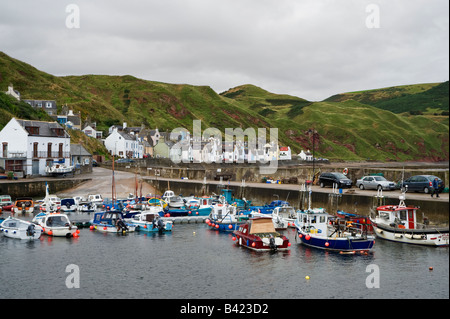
56,224
111,222
224,217
20,229
173,200
96,199
282,216
59,170
68,205
399,223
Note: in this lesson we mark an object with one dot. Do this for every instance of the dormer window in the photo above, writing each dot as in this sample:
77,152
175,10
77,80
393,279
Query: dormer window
48,105
33,130
58,131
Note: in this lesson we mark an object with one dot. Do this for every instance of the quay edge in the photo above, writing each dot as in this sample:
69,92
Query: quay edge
354,202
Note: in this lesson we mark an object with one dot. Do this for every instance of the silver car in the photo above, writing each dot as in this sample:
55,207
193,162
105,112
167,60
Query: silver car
375,182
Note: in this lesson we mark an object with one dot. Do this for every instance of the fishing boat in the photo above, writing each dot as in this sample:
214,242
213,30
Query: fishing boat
20,229
224,217
259,234
56,224
148,220
85,205
399,223
23,205
111,222
316,228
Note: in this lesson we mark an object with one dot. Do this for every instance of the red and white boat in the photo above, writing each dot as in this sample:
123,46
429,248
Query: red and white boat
399,223
259,234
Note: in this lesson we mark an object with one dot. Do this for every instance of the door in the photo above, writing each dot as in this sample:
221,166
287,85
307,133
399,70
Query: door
35,168
411,224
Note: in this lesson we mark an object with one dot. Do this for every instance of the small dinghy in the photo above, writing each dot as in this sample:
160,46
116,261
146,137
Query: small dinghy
20,229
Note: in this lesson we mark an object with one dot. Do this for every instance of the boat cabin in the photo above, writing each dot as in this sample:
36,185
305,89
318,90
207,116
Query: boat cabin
313,220
108,217
219,211
259,226
287,212
56,220
97,198
397,216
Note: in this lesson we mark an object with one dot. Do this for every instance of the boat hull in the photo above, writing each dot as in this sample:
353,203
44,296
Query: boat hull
424,237
337,244
60,231
148,227
113,229
20,231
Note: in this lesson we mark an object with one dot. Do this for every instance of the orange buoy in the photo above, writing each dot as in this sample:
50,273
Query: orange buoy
91,227
230,226
50,232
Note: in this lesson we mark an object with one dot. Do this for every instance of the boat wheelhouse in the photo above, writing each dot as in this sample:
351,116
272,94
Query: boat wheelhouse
23,205
399,223
224,217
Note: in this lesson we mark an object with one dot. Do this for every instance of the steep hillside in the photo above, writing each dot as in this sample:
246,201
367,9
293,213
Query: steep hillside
345,127
431,98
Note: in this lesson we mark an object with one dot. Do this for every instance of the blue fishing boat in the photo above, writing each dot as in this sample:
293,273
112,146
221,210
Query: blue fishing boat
315,228
111,222
224,217
149,220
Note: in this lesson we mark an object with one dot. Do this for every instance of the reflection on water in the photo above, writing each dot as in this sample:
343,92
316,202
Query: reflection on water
194,261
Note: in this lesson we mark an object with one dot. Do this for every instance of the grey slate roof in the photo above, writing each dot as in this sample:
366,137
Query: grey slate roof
45,128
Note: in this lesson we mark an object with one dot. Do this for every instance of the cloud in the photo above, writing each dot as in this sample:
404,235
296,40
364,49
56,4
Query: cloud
312,49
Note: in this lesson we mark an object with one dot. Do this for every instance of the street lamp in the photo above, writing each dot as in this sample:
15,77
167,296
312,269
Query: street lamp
313,150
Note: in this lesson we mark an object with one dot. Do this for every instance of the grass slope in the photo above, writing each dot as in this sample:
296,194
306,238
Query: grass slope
346,129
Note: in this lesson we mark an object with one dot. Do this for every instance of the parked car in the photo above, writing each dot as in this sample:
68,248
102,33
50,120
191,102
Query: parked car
375,182
328,179
423,183
124,160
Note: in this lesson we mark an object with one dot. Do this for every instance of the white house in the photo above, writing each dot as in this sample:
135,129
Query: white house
305,156
124,145
29,146
92,132
285,153
15,94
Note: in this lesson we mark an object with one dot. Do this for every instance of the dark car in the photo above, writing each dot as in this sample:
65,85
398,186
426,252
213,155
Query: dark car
423,183
328,179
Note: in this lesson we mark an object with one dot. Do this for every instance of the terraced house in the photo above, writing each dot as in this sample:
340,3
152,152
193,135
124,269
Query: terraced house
27,147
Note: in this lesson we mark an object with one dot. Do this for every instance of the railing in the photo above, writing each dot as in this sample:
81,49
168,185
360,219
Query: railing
13,154
40,154
45,154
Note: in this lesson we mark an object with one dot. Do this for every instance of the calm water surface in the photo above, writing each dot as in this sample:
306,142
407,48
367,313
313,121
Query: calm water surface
195,262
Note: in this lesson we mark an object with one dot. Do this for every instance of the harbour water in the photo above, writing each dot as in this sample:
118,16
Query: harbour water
195,262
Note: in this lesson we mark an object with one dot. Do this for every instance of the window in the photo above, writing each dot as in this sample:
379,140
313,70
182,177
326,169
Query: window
48,105
60,150
35,149
5,149
33,130
49,150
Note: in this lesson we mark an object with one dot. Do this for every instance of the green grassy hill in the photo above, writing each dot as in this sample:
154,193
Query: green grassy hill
348,126
428,98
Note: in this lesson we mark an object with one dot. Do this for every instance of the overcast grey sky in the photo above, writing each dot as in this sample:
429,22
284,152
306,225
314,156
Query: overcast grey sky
307,48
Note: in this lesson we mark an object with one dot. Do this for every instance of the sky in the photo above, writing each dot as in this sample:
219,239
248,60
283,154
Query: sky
307,48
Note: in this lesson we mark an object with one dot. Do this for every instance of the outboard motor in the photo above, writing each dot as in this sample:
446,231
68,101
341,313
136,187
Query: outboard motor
31,230
121,226
158,224
272,243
